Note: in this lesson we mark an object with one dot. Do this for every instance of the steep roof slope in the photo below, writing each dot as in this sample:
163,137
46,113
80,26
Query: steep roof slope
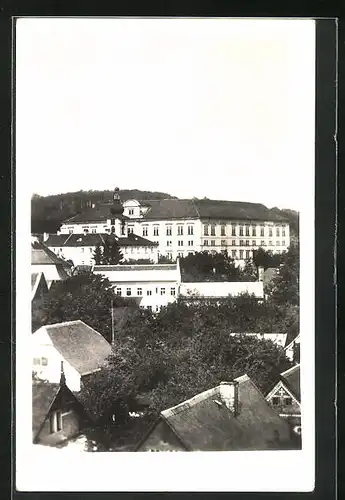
82,346
201,423
291,379
43,396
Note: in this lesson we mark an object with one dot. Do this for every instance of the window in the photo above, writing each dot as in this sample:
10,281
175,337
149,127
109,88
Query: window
37,361
213,243
270,231
190,230
91,250
223,243
233,254
180,243
247,230
180,254
130,211
82,249
233,229
270,243
172,291
190,253
206,243
149,308
283,231
222,230
241,254
247,243
149,292
205,230
168,230
233,243
93,230
139,291
262,230
278,232
130,229
155,230
254,231
169,255
162,291
213,230
262,243
156,289
278,243
288,401
275,401
283,243
145,231
157,308
112,222
169,243
241,243
253,243
247,254
241,230
190,243
180,230
70,231
55,422
118,291
128,292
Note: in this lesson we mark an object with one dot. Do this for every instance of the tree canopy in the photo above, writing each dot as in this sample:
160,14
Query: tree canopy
85,296
109,253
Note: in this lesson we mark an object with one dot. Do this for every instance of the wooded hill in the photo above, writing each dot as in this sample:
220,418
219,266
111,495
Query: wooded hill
48,212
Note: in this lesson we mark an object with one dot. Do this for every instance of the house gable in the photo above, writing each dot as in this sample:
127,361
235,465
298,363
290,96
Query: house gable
283,400
161,438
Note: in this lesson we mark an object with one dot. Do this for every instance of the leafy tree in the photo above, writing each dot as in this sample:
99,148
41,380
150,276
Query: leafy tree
164,259
98,254
111,252
284,288
205,266
139,261
266,258
249,272
186,349
86,296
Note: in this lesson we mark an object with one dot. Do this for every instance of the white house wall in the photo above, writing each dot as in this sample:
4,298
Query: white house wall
222,289
42,347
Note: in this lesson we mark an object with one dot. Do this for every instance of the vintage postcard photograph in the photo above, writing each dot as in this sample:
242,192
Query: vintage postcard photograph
165,254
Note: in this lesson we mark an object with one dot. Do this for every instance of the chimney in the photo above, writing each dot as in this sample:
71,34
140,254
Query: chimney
229,395
260,273
62,376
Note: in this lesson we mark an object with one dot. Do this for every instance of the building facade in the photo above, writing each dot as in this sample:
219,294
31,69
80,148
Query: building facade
180,227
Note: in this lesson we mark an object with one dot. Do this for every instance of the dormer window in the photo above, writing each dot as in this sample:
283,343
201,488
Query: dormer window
112,222
131,211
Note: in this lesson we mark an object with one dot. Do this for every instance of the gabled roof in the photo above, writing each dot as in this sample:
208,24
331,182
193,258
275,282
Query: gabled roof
96,214
79,344
43,396
204,423
188,209
237,210
41,254
291,378
94,239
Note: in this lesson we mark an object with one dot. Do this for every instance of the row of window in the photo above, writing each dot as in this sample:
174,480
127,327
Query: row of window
210,230
168,230
40,361
128,291
281,401
244,243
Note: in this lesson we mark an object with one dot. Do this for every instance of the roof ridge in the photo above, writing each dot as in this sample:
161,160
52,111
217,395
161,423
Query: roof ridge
242,378
289,370
65,323
189,402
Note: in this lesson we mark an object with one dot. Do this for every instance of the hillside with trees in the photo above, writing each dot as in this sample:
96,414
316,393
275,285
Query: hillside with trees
48,212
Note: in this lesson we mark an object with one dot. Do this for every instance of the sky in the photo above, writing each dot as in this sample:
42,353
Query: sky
222,108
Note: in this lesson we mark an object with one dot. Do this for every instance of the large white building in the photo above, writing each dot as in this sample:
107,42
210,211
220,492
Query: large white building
180,227
156,285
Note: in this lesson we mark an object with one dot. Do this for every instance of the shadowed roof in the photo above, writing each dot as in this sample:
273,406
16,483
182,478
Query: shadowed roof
34,277
81,346
192,209
41,254
43,396
291,378
203,423
94,239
